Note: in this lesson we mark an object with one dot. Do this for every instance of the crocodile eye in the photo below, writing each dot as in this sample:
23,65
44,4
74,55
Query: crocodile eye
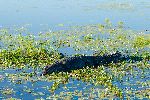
44,73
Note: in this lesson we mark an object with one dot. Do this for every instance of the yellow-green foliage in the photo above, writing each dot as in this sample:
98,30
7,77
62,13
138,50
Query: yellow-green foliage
19,50
29,49
141,41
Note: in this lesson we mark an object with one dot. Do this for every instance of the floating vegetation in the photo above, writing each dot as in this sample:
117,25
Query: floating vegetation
7,91
27,54
116,6
20,50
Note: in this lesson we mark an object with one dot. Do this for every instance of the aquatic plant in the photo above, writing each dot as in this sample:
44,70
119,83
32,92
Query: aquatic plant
7,91
22,50
19,51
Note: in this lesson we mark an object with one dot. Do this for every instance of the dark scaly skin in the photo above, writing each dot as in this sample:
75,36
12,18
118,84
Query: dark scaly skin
72,63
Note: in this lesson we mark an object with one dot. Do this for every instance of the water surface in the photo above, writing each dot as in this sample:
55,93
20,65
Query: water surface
43,15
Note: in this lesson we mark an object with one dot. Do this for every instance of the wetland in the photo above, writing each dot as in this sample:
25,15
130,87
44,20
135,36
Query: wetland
40,34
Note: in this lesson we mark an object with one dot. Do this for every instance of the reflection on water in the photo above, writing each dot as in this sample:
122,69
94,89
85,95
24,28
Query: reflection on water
48,13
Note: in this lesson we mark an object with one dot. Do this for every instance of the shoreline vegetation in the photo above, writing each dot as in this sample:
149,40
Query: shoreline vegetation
20,51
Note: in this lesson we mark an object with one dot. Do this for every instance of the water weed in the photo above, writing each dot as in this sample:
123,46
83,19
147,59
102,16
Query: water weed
114,80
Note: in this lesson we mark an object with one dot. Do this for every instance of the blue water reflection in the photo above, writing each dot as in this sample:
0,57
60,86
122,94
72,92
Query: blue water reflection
44,14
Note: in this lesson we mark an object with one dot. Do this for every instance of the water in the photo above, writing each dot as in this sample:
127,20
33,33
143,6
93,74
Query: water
47,14
39,88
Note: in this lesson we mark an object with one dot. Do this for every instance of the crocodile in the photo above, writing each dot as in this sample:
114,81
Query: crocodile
72,63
